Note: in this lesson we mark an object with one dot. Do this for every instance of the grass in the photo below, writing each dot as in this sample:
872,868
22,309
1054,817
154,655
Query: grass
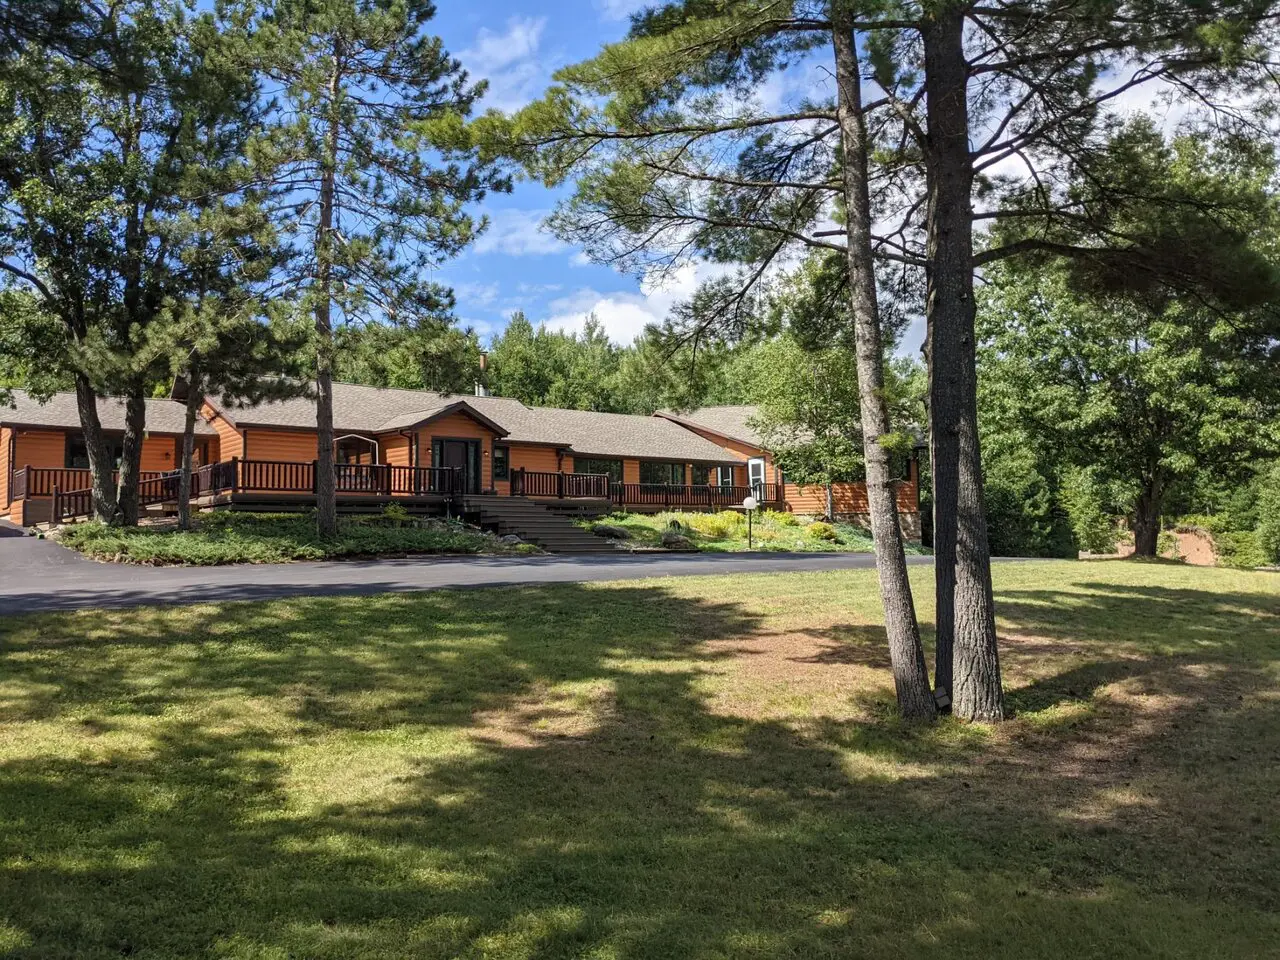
701,768
726,532
220,538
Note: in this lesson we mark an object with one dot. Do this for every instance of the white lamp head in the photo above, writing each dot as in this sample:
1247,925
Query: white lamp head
749,503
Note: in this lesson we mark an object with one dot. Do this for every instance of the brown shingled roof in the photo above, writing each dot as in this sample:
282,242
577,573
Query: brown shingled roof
60,412
362,409
733,422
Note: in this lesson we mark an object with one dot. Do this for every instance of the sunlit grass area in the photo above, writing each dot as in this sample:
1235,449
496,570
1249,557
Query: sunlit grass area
671,768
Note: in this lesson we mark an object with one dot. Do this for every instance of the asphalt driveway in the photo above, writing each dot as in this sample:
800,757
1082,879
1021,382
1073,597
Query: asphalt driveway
37,575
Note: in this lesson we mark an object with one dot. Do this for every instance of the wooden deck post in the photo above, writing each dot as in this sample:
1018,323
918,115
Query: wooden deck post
235,475
560,485
55,515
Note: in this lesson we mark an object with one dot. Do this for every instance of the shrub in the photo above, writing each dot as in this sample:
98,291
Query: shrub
1240,548
270,538
395,515
1023,517
718,526
821,530
778,517
1167,545
1268,529
1091,525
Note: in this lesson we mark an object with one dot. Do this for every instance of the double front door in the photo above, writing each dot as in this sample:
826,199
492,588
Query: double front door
460,455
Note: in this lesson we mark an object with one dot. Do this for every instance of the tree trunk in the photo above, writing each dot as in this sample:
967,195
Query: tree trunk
1146,520
831,502
194,397
101,465
326,486
906,654
135,425
966,609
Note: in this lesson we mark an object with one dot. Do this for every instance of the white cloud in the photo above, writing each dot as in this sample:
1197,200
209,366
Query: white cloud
518,233
478,294
625,315
509,60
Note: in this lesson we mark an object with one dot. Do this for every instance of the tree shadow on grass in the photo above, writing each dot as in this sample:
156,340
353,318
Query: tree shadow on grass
658,825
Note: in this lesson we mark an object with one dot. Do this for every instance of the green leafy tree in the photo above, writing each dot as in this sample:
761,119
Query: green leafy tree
374,173
106,152
808,414
420,354
1142,394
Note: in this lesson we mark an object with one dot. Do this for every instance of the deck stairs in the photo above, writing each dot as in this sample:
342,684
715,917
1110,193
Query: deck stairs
533,522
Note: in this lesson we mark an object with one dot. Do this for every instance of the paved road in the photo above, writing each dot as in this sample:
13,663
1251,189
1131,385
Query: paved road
37,575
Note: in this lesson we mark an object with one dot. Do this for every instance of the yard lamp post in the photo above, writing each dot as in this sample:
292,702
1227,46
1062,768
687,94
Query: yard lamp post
749,505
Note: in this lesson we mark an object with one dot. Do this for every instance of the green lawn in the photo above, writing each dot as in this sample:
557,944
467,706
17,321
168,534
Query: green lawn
227,537
683,768
726,532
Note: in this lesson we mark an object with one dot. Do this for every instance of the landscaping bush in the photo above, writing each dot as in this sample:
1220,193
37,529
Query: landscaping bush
221,538
778,517
821,530
718,526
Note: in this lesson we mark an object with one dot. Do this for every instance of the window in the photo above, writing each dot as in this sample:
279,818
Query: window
501,463
77,453
355,449
712,476
659,472
612,468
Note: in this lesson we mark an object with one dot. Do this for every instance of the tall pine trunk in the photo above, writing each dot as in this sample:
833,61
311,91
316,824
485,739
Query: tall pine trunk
194,398
326,486
135,425
906,654
101,465
966,608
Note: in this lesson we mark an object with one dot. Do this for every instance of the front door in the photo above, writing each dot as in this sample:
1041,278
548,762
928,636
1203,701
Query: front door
755,474
461,455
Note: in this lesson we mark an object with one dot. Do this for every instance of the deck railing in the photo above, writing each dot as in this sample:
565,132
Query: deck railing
156,488
693,495
40,481
541,483
382,479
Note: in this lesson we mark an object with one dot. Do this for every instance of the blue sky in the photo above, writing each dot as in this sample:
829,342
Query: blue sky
516,265
517,45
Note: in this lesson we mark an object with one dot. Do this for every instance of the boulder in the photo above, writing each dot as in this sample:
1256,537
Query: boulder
511,538
674,541
611,532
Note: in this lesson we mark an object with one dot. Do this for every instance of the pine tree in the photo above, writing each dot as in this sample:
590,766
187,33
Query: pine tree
373,169
674,158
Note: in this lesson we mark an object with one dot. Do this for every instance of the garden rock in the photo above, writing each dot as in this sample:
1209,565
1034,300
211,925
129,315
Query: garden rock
674,541
610,531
